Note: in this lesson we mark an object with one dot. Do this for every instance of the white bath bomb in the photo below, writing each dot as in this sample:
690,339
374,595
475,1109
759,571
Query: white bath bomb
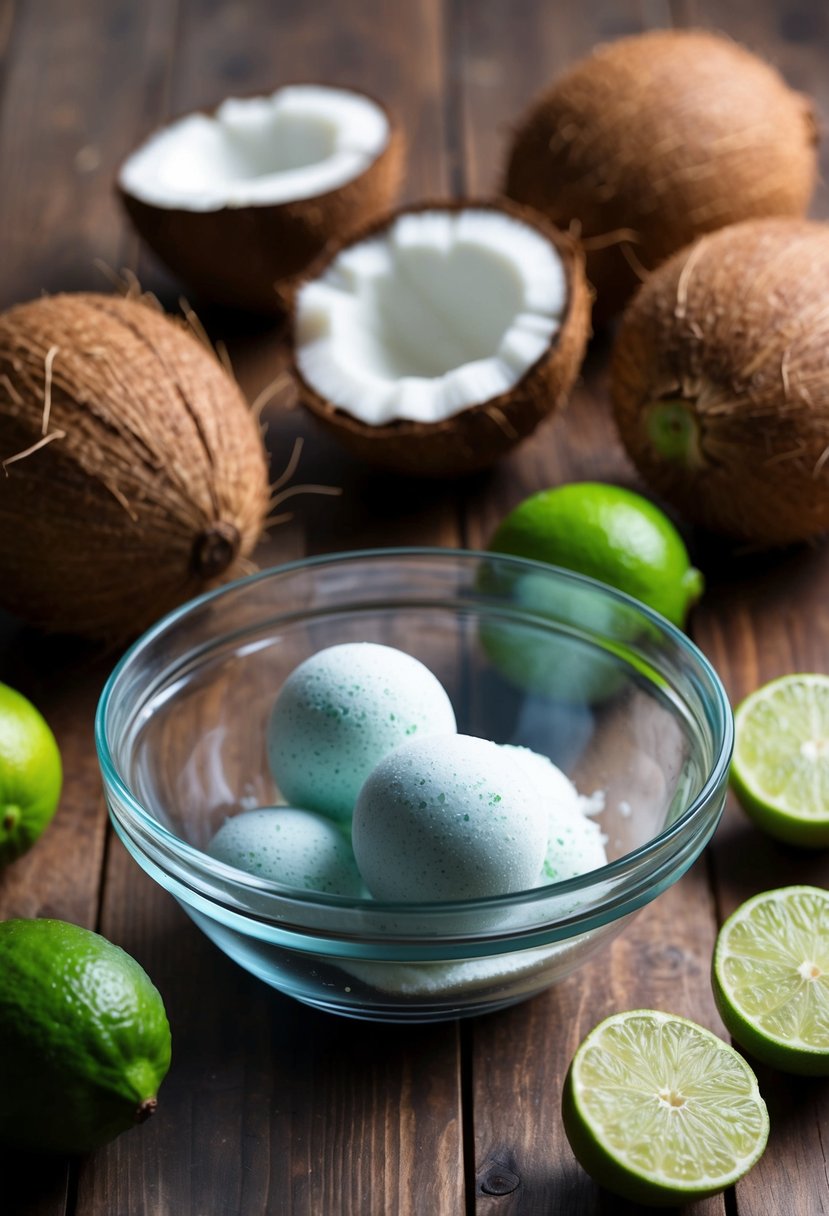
342,711
290,846
576,844
553,785
449,817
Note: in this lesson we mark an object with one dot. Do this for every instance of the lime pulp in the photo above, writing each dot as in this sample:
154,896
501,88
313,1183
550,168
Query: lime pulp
662,1111
771,978
780,770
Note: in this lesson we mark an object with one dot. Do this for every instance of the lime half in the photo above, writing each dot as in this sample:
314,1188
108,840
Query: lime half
780,771
660,1110
771,978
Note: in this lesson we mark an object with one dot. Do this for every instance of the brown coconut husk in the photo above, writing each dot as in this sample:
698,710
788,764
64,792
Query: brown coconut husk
654,140
720,381
133,472
481,434
241,256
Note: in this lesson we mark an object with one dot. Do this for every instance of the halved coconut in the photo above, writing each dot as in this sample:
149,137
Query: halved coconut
240,199
439,338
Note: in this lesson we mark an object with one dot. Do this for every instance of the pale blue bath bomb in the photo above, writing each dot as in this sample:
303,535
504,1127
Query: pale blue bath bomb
576,843
449,817
340,712
290,846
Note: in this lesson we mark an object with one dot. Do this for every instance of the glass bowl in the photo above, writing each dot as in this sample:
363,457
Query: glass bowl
530,655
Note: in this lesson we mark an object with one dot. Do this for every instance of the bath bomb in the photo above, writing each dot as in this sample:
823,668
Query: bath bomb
449,817
340,712
576,844
554,786
293,847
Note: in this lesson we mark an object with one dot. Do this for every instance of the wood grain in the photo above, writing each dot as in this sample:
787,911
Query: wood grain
517,1101
765,615
272,1108
58,145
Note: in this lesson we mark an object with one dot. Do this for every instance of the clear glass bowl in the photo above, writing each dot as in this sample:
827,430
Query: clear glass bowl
620,700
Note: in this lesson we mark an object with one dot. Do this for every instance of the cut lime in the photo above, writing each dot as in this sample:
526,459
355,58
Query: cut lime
660,1110
771,978
780,771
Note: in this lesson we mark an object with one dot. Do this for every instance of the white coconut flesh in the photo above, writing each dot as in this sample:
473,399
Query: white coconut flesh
440,311
301,142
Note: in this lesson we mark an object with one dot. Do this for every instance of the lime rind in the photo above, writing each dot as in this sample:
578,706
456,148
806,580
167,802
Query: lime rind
85,1035
30,775
780,769
611,534
770,976
661,1110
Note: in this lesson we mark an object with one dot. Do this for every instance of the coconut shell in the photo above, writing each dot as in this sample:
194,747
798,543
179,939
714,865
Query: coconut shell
720,381
482,434
135,473
242,256
656,139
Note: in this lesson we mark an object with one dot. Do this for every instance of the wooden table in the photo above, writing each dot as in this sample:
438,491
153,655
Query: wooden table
271,1107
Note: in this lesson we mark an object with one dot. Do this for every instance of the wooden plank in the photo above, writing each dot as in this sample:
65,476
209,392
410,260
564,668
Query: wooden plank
764,616
59,145
518,1059
7,22
48,232
272,1107
747,628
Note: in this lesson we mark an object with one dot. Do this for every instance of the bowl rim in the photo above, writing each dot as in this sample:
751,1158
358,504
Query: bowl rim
603,877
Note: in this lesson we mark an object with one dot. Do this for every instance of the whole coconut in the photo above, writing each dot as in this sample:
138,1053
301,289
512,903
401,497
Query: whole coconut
135,473
656,139
720,381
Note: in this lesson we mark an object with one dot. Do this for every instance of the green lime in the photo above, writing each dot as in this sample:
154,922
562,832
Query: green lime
771,978
661,1111
86,1042
780,769
612,535
549,647
30,774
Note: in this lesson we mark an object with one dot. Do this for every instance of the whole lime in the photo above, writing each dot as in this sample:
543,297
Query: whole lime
85,1038
538,651
611,534
30,774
